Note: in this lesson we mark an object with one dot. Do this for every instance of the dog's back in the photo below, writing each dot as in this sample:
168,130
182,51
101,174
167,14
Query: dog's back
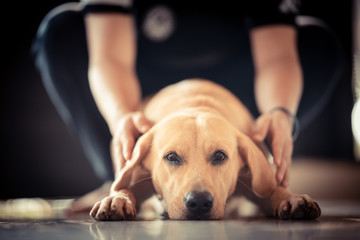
200,95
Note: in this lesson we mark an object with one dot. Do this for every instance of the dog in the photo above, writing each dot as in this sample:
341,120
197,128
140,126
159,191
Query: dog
197,155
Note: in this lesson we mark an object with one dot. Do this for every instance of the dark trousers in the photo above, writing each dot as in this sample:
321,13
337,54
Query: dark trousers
61,56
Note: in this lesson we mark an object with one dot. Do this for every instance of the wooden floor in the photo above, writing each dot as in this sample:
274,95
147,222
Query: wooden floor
334,184
327,227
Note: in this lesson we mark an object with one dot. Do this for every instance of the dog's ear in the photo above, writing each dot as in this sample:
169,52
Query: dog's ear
141,149
263,181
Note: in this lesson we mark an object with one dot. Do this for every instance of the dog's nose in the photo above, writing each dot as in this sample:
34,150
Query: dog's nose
199,203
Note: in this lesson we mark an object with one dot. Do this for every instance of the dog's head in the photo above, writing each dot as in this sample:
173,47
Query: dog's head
195,162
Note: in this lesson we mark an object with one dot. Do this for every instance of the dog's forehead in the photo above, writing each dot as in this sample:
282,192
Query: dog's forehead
188,130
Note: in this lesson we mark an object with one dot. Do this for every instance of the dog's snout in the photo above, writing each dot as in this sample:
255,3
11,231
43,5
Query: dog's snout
199,203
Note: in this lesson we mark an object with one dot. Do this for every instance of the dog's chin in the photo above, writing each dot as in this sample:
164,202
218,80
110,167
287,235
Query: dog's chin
198,217
189,216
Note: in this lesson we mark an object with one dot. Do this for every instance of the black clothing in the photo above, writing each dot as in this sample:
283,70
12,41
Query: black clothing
208,41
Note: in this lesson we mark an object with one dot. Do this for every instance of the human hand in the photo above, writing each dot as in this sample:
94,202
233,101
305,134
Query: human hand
128,129
277,127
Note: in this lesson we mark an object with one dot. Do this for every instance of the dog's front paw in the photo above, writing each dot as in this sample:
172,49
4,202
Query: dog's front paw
298,206
114,208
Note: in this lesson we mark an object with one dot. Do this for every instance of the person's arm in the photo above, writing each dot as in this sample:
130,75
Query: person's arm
278,83
113,80
112,77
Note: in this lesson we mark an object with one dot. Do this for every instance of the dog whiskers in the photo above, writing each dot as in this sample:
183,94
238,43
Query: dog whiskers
143,179
244,184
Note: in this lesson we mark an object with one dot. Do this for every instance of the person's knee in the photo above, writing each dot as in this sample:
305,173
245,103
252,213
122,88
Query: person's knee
56,24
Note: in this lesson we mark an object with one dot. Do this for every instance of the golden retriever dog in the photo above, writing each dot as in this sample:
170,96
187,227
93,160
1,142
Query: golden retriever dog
198,154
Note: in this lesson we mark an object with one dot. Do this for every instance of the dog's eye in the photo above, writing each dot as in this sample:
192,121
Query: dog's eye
218,158
173,159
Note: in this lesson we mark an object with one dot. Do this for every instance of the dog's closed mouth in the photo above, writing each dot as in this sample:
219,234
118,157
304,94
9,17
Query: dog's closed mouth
198,217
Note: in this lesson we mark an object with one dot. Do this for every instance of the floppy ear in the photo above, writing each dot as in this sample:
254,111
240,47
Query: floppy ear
140,152
263,181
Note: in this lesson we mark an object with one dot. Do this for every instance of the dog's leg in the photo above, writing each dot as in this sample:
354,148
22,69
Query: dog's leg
121,205
293,206
118,206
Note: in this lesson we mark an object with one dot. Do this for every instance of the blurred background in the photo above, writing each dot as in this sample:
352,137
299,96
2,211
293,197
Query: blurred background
40,158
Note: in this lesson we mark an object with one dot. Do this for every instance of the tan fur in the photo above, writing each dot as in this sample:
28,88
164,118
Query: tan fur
195,118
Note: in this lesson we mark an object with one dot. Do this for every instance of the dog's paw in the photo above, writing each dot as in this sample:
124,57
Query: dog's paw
114,208
298,206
